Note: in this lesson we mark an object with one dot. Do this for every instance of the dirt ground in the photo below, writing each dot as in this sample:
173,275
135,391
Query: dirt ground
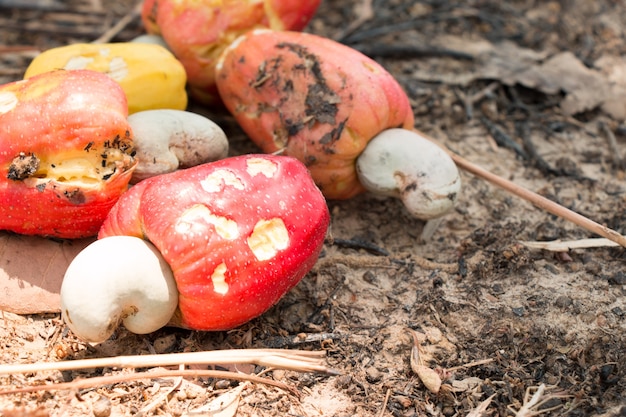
498,320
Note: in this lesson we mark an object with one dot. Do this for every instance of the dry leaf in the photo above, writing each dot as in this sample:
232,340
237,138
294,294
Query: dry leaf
466,384
225,405
481,408
566,245
31,271
614,68
429,377
584,88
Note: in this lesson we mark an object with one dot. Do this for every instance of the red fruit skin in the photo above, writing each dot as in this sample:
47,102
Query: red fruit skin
198,31
312,98
290,14
65,153
158,209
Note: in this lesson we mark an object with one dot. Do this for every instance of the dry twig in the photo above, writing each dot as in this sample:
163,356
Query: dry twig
566,245
364,13
385,402
120,25
295,360
618,162
364,261
79,384
539,201
532,404
481,408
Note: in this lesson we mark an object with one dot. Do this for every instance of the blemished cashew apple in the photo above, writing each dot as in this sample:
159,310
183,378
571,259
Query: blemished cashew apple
311,98
151,77
66,153
237,234
340,113
198,31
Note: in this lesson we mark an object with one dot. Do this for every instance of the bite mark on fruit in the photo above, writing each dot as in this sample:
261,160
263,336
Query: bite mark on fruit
257,166
196,218
218,180
78,62
268,238
118,68
87,167
218,278
117,65
8,101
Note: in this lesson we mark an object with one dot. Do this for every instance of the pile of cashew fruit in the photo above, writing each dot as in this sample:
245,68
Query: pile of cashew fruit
96,141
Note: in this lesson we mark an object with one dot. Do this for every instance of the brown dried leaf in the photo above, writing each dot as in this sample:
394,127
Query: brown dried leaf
585,88
32,270
225,405
562,72
429,377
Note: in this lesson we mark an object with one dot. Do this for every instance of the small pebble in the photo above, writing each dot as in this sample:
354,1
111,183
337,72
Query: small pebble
222,384
101,407
518,311
278,374
165,344
497,289
563,301
593,268
574,267
618,278
373,375
343,381
370,277
448,411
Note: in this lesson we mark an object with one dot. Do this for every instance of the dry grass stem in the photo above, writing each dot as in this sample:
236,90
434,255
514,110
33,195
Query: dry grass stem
294,360
470,364
540,201
566,245
79,384
120,25
385,402
532,404
481,408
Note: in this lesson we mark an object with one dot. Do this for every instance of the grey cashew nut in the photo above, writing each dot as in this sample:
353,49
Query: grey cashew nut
166,140
403,164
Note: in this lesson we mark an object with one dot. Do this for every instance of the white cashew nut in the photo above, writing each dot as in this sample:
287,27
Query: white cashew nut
167,139
401,163
117,279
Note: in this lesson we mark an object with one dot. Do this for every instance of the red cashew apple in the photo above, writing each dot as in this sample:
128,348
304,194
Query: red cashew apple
198,31
235,234
337,111
66,153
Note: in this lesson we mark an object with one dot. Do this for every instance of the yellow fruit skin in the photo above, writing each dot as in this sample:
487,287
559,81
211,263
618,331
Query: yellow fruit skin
150,75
